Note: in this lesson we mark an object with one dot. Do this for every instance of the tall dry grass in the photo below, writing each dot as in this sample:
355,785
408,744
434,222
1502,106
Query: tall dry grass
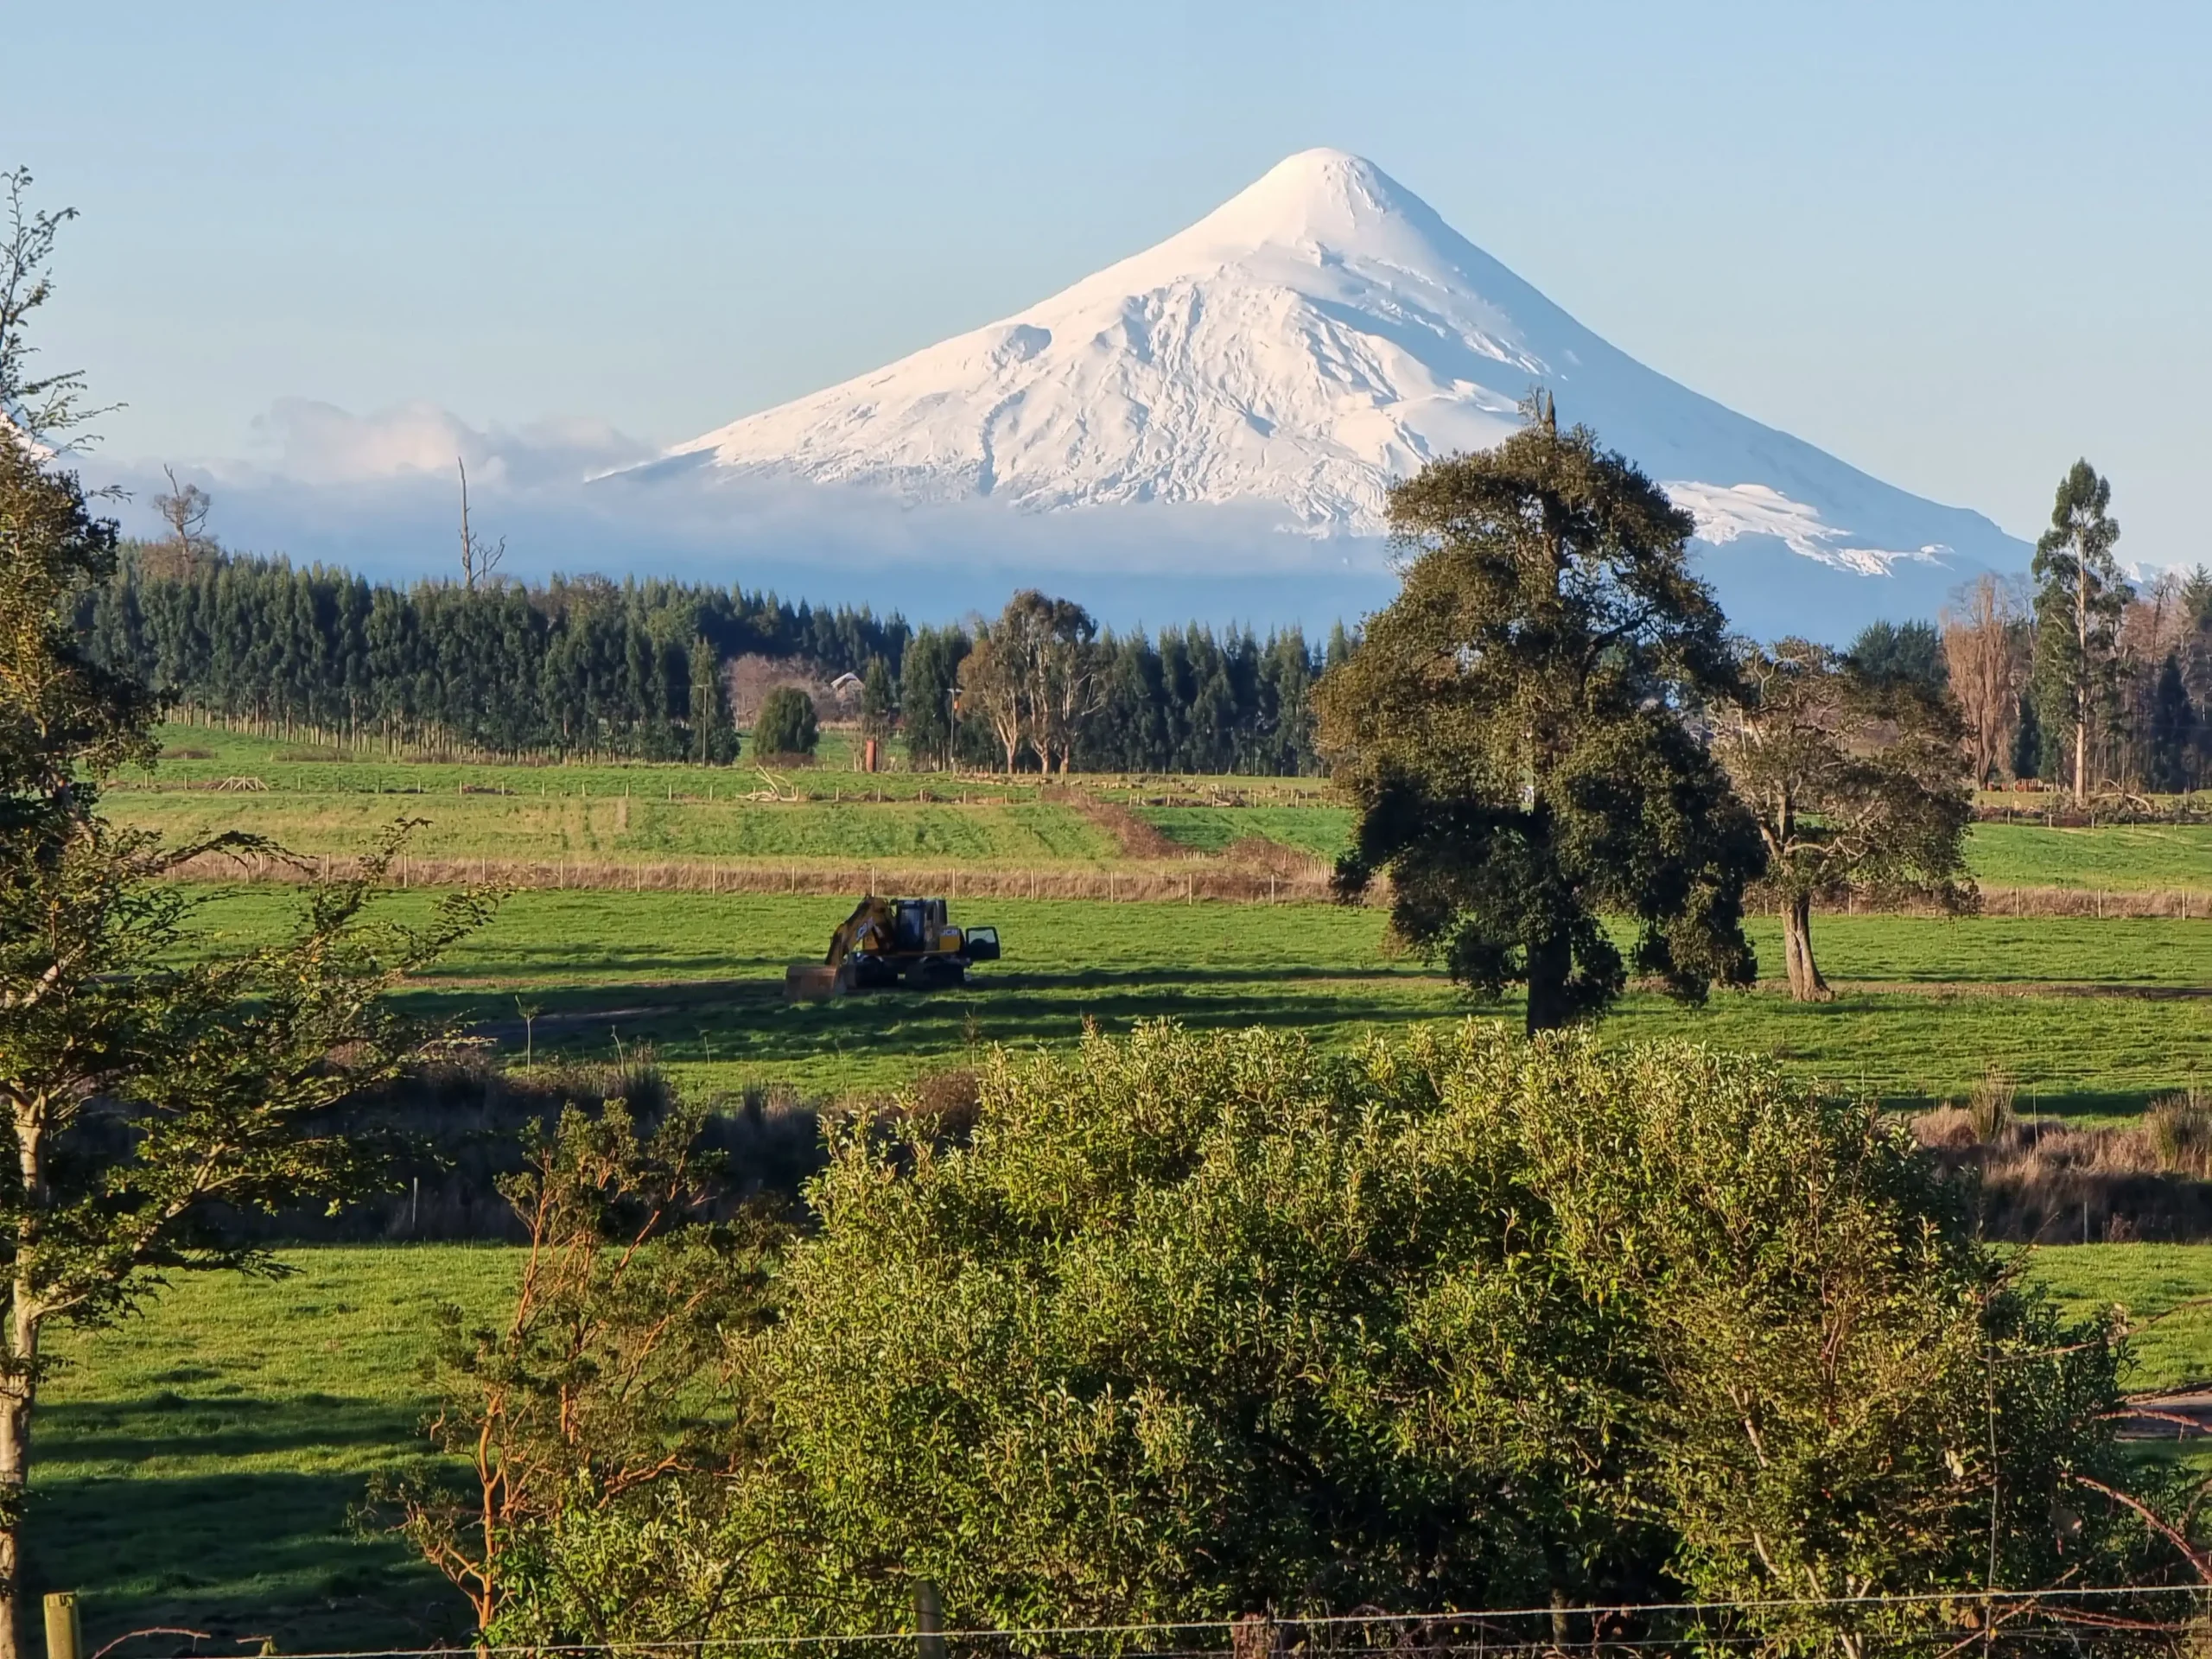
2048,1183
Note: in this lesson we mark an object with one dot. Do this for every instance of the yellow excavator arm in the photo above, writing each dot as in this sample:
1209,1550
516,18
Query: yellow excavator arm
872,916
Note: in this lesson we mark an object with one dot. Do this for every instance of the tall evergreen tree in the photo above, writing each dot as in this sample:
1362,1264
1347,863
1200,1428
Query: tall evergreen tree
2173,734
929,686
1910,651
1510,730
2027,741
2079,598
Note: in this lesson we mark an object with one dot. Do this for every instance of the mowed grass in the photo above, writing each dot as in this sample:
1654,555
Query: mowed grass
2166,1290
2091,1018
606,813
197,1464
598,821
1323,831
636,829
2116,857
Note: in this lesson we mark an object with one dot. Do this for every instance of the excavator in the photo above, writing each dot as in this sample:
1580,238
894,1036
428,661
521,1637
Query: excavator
887,942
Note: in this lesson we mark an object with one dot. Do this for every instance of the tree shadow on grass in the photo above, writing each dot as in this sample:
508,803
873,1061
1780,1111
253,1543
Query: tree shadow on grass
237,1552
170,1425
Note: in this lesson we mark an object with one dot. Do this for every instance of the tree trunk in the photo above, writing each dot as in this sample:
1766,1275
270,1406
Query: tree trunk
1550,961
2081,675
1806,984
15,1468
19,1378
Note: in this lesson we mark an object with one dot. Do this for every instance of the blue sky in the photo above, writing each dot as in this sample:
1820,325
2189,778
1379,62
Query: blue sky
1957,244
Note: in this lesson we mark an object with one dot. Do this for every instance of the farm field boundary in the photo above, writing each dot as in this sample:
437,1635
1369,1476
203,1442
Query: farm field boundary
1284,880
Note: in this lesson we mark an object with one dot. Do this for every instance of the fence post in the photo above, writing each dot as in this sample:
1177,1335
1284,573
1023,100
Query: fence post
1254,1636
929,1621
64,1635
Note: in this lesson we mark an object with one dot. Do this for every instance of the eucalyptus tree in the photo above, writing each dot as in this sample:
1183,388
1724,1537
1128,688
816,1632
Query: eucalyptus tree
2080,595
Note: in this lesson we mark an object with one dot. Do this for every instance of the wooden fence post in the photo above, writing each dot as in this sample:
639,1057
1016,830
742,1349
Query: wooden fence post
1254,1636
65,1634
929,1621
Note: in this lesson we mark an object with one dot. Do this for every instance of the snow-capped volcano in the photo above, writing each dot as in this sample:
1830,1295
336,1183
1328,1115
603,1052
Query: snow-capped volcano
1312,339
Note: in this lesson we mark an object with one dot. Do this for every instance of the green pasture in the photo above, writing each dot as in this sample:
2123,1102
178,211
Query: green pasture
197,1465
1322,831
2093,1018
635,829
2115,857
317,804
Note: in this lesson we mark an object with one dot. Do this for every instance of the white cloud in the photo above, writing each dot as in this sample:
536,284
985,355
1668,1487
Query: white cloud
305,441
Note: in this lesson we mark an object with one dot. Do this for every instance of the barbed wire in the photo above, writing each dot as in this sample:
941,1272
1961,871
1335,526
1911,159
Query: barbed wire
1591,1614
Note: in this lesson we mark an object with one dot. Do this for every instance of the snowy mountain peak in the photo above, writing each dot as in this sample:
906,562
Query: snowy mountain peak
1320,334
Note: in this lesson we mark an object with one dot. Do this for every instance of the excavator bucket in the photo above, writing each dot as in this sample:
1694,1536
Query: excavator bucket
813,981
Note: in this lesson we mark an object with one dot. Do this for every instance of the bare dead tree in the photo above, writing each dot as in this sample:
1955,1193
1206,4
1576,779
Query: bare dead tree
1985,648
185,510
479,558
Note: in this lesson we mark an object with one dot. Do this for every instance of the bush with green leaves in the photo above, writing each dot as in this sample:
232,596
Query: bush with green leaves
785,724
1188,1325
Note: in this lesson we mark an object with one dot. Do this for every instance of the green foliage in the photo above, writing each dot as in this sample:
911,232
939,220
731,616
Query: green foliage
712,735
1510,731
879,707
143,1094
928,680
2028,744
786,724
1855,782
1190,1325
2174,731
585,1403
1886,653
577,666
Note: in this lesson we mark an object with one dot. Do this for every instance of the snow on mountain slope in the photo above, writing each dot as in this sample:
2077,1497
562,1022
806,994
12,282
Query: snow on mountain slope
1316,337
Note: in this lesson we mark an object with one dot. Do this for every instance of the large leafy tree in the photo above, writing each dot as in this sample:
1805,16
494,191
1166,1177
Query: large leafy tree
140,1095
1191,1324
2080,596
1855,781
1512,729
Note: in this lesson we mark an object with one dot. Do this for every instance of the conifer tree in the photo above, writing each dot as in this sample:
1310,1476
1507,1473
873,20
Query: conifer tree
2079,597
2173,734
2027,740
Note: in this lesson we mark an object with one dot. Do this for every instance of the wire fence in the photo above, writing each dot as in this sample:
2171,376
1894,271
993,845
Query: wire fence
2074,1620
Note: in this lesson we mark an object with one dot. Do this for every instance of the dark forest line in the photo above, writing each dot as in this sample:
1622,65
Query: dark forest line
646,669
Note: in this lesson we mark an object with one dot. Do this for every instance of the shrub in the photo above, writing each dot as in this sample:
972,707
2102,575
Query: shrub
2180,1130
786,724
1989,1104
1193,1324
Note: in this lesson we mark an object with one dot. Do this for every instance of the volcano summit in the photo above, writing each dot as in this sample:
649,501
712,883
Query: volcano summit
1316,336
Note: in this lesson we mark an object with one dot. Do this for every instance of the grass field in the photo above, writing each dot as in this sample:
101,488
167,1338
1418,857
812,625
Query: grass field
2093,1018
618,814
198,1464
